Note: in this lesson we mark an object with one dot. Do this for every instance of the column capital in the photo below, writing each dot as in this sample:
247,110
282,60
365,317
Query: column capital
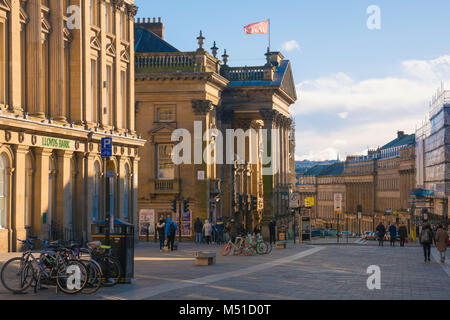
65,153
201,107
43,151
268,116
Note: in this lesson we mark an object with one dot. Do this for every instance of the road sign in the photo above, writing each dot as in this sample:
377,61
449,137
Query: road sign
110,169
309,202
338,203
294,200
106,147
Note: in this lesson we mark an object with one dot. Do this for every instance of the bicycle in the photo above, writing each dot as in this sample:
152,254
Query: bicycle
237,248
52,267
110,267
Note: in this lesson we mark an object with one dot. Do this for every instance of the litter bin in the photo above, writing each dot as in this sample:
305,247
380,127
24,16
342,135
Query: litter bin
122,245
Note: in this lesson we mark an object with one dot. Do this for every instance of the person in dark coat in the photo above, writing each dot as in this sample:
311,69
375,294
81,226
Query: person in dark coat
381,230
161,228
198,229
220,227
403,234
272,226
426,238
393,234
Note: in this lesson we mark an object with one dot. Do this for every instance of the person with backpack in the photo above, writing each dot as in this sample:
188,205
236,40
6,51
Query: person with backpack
171,231
381,231
441,242
393,234
220,227
426,239
161,227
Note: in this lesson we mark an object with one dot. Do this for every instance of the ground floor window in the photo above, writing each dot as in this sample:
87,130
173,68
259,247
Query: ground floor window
3,191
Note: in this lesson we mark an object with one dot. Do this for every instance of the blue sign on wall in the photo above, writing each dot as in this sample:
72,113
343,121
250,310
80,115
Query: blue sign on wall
106,147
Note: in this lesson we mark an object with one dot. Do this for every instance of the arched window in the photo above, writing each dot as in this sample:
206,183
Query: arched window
95,198
3,192
126,191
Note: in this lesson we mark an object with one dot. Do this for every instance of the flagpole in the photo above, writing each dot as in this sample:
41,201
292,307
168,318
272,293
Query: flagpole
269,34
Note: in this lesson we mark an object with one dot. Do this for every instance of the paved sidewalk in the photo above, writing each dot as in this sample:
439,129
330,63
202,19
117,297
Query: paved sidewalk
299,272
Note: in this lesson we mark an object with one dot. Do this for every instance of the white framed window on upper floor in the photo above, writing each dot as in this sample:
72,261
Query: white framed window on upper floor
165,113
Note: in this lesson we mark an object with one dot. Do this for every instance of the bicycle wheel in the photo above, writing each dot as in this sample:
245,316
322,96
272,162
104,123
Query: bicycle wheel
110,272
226,249
261,248
71,277
17,275
94,277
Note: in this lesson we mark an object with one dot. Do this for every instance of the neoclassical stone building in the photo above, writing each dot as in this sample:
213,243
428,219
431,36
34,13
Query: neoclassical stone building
66,81
176,89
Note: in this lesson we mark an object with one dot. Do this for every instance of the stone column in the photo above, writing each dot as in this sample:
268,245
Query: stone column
131,12
134,198
120,180
57,65
88,193
79,210
18,225
268,117
41,203
201,109
64,190
227,177
15,74
34,60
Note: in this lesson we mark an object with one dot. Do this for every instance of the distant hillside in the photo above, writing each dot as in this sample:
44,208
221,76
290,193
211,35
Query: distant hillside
303,166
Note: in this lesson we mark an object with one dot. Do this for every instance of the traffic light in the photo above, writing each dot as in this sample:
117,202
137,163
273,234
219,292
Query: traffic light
174,206
185,205
254,203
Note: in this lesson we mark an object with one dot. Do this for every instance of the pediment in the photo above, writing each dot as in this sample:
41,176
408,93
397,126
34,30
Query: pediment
5,4
124,55
23,16
163,129
288,84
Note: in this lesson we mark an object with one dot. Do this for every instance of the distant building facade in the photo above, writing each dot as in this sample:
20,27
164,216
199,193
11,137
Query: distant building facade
374,188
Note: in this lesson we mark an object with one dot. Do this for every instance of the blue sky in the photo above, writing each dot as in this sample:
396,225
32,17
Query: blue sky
357,86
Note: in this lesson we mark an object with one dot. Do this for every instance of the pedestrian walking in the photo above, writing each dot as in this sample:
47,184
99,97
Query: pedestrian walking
220,227
381,231
426,239
171,231
207,229
403,234
393,234
198,229
272,226
441,242
161,228
227,231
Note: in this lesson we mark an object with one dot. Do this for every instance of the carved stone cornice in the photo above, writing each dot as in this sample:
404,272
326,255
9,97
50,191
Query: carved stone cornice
201,107
131,10
118,4
268,116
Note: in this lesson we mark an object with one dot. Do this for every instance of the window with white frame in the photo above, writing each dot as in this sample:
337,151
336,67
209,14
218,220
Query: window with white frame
166,167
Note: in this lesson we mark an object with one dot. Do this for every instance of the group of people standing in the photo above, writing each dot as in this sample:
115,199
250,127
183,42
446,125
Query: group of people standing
166,229
427,235
210,233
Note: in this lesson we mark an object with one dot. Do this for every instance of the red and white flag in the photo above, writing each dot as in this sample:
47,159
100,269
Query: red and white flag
257,28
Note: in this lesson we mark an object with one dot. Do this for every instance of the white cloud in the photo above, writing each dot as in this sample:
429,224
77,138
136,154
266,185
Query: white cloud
343,115
290,45
379,107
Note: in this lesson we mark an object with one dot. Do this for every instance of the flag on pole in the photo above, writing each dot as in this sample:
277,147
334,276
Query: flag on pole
257,28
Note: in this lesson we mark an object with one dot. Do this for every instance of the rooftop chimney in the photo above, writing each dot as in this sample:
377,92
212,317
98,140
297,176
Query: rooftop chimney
274,58
154,27
400,134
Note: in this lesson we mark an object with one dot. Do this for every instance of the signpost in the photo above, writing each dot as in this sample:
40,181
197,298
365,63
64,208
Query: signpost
106,152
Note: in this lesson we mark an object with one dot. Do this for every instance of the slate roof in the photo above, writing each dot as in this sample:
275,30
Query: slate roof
315,171
405,140
146,41
336,169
